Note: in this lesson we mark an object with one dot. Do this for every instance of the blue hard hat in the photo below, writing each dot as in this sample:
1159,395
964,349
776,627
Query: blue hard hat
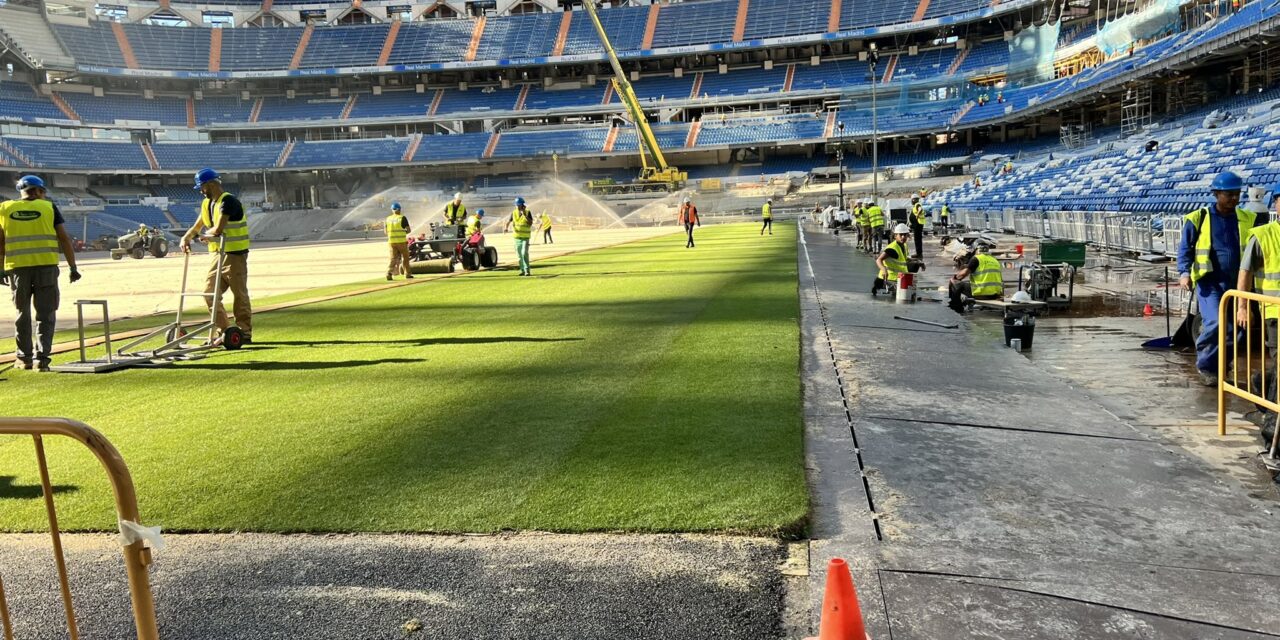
519,201
1275,193
29,182
206,175
395,206
479,213
1227,181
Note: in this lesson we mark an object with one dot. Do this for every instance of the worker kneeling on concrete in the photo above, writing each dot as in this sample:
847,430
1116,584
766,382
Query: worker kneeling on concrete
398,240
1208,263
980,279
31,235
895,260
223,223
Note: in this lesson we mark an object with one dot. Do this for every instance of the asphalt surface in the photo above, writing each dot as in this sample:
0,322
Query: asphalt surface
262,587
979,494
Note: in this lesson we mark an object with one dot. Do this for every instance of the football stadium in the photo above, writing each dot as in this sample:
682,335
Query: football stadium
680,319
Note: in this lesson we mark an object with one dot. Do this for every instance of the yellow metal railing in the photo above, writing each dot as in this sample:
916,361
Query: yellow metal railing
137,557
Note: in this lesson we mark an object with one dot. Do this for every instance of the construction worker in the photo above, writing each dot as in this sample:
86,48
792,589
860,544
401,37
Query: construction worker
1208,261
222,223
894,260
398,241
985,279
475,224
522,221
1259,264
918,215
689,218
31,235
143,231
944,218
766,214
454,212
875,219
545,223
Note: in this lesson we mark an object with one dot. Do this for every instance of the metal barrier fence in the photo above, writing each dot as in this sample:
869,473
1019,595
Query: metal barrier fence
137,556
1138,233
1246,333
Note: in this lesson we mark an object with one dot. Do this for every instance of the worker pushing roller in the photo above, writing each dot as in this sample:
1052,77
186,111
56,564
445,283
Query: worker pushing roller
223,225
1208,261
398,242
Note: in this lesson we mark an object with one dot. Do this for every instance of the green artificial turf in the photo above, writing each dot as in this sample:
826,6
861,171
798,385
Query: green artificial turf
645,387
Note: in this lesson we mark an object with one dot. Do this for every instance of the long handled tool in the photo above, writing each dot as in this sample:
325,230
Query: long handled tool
1183,338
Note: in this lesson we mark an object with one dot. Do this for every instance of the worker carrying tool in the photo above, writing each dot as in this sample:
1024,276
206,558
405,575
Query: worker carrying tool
544,223
944,218
689,218
31,235
766,214
1208,262
222,223
522,221
918,215
985,280
894,260
454,212
398,241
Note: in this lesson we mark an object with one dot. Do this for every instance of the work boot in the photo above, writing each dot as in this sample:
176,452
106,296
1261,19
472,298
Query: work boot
1208,379
43,367
388,277
408,277
25,365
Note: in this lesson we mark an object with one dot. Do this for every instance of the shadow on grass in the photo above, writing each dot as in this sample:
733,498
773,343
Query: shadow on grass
29,491
419,342
295,366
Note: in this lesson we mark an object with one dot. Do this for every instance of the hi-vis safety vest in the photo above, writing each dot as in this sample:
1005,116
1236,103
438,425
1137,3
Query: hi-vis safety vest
30,239
1268,280
546,222
987,281
894,266
454,213
396,233
474,225
767,211
521,223
946,212
917,211
875,216
860,216
1204,237
235,234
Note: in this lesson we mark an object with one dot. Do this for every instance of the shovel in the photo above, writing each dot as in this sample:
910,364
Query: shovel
1183,338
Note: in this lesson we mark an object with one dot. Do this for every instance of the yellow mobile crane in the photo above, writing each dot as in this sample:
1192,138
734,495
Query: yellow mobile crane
657,175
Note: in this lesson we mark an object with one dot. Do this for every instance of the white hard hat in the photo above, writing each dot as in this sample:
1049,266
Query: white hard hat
687,199
457,196
901,228
1022,296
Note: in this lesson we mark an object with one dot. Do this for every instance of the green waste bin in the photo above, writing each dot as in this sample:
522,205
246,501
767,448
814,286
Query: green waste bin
1056,251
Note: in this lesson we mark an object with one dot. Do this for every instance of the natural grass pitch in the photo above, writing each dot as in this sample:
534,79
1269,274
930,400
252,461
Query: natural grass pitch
645,387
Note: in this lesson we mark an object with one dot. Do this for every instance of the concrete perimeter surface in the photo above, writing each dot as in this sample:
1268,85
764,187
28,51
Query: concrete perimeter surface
346,587
977,495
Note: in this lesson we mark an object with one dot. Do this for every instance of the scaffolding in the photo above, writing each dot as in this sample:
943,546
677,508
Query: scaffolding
1076,131
1135,108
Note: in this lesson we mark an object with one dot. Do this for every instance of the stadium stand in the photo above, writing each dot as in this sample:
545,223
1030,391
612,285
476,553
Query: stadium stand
62,154
518,37
353,152
770,20
352,46
159,47
94,44
519,144
301,108
112,108
222,109
465,146
687,23
18,101
625,26
431,41
190,156
391,104
139,214
258,49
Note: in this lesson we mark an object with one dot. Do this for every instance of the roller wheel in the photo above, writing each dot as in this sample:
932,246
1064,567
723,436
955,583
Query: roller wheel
470,261
232,338
174,334
116,255
160,248
137,253
490,258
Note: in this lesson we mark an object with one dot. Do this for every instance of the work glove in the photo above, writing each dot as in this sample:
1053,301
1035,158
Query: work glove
75,275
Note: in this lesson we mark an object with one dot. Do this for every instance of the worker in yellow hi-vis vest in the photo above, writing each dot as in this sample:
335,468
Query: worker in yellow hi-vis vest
225,226
522,221
398,242
766,214
545,223
31,235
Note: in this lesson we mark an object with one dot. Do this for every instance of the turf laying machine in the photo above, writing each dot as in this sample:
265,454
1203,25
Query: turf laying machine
450,245
140,244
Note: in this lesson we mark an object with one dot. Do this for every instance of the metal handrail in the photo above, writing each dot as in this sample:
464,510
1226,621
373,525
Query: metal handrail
137,557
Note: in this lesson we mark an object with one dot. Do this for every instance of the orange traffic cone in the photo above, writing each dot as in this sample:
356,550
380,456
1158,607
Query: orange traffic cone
841,615
1147,310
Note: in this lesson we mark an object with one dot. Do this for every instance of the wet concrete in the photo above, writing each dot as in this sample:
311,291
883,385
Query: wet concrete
982,493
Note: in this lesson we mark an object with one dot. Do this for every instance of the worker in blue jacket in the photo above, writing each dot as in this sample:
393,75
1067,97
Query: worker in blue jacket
1213,238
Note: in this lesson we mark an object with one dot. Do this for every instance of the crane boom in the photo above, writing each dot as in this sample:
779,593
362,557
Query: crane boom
662,172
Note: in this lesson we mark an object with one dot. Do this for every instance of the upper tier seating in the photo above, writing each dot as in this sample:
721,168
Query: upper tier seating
59,154
431,41
772,20
113,107
688,23
353,152
625,26
18,101
159,47
354,46
257,49
523,38
226,156
94,44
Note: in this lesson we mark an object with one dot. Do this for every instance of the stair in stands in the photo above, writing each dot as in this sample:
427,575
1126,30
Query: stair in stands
63,106
151,157
126,49
410,151
492,146
286,152
830,128
920,11
256,111
691,140
740,22
833,18
955,64
610,139
697,86
13,151
191,112
389,44
215,49
961,113
524,95
563,36
476,34
351,104
791,77
435,102
608,90
650,26
302,46
889,68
